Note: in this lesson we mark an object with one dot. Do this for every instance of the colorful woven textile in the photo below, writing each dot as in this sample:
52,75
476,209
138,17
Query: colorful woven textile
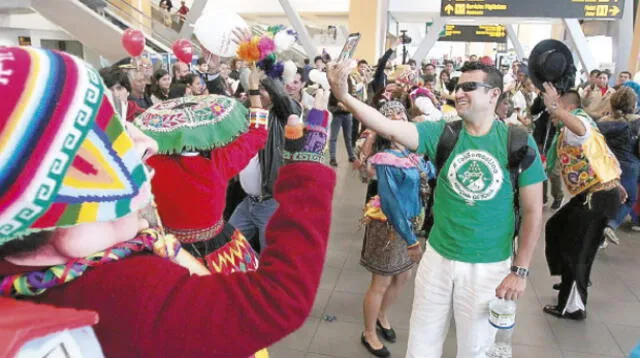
236,256
65,158
194,123
37,282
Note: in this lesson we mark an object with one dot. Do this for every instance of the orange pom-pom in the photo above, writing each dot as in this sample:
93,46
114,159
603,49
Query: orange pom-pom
294,131
248,50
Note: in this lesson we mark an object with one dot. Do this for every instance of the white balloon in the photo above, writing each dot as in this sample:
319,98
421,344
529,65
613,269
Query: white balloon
215,32
283,40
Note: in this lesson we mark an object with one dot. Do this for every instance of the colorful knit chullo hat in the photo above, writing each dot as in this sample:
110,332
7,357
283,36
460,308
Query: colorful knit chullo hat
65,158
196,123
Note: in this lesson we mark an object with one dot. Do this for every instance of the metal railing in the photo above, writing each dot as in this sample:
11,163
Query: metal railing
131,17
161,28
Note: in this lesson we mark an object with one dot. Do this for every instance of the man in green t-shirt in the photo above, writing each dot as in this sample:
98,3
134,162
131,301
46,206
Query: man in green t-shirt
468,257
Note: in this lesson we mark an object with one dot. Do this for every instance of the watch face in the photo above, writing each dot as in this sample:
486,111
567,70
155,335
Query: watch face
520,271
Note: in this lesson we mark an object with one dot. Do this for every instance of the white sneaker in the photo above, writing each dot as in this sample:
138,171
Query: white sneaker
635,228
611,236
604,244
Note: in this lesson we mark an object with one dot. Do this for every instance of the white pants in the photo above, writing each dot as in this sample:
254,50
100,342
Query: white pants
443,284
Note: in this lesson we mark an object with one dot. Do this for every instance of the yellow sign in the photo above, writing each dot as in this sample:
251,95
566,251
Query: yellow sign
481,33
583,9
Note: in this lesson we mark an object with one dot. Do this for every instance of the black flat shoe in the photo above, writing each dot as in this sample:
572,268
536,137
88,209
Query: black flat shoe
382,352
578,315
387,333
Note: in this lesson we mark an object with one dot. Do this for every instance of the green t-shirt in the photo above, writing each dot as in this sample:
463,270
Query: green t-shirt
473,206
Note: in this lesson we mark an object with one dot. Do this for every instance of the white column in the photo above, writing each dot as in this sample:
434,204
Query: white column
297,24
623,39
513,37
580,42
430,39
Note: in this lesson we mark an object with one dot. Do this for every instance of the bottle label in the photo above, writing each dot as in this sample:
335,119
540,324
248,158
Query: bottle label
502,320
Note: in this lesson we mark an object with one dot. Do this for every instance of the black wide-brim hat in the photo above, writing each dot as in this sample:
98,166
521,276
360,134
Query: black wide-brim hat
551,61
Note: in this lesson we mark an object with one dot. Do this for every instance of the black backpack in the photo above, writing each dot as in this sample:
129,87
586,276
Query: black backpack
521,156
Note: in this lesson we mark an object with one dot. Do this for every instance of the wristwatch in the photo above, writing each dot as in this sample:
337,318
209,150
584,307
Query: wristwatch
254,92
520,271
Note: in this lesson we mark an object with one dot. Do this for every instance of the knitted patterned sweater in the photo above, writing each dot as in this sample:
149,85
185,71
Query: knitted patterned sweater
190,191
150,307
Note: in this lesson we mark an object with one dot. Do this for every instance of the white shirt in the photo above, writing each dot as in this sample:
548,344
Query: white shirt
575,140
251,177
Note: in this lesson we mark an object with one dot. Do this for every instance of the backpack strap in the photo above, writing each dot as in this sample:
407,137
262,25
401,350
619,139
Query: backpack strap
447,141
521,155
520,158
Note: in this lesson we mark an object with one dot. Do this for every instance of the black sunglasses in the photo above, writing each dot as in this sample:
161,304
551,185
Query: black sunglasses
470,86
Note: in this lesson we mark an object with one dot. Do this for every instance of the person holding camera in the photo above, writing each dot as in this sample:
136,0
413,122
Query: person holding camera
467,261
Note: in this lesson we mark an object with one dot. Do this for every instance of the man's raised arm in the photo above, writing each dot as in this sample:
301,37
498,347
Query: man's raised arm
404,133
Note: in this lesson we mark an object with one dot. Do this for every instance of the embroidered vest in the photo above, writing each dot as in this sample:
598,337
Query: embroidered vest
587,165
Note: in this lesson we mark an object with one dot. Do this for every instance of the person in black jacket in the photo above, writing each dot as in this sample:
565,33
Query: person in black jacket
257,180
543,134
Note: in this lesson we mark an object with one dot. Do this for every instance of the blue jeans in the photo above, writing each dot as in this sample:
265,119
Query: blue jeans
251,217
629,181
345,122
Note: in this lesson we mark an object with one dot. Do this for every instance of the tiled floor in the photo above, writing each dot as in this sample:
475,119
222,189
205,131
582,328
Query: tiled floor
612,329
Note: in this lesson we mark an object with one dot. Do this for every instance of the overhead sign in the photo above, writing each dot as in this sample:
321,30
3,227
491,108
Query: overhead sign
571,9
481,33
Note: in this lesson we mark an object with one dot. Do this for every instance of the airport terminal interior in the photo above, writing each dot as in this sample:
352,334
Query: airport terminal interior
525,112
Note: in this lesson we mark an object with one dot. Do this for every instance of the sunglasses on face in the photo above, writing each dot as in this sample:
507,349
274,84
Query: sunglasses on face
470,86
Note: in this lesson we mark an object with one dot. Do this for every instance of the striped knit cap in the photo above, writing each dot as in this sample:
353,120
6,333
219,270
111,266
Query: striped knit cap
65,158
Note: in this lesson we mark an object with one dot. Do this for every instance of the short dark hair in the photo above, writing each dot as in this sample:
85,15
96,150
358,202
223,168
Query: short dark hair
411,62
594,73
317,58
573,97
201,61
177,90
25,244
494,76
506,96
306,61
626,72
429,64
113,76
446,62
429,78
451,85
363,61
189,78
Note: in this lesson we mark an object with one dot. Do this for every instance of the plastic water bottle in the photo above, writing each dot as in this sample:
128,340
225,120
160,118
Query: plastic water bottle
635,353
502,315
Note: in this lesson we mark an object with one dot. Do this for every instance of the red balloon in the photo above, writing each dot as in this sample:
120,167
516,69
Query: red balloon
183,49
133,41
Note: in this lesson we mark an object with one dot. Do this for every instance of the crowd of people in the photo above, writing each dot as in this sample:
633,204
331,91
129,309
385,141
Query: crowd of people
234,159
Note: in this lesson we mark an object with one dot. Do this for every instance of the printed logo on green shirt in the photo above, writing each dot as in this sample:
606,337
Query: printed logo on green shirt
475,175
